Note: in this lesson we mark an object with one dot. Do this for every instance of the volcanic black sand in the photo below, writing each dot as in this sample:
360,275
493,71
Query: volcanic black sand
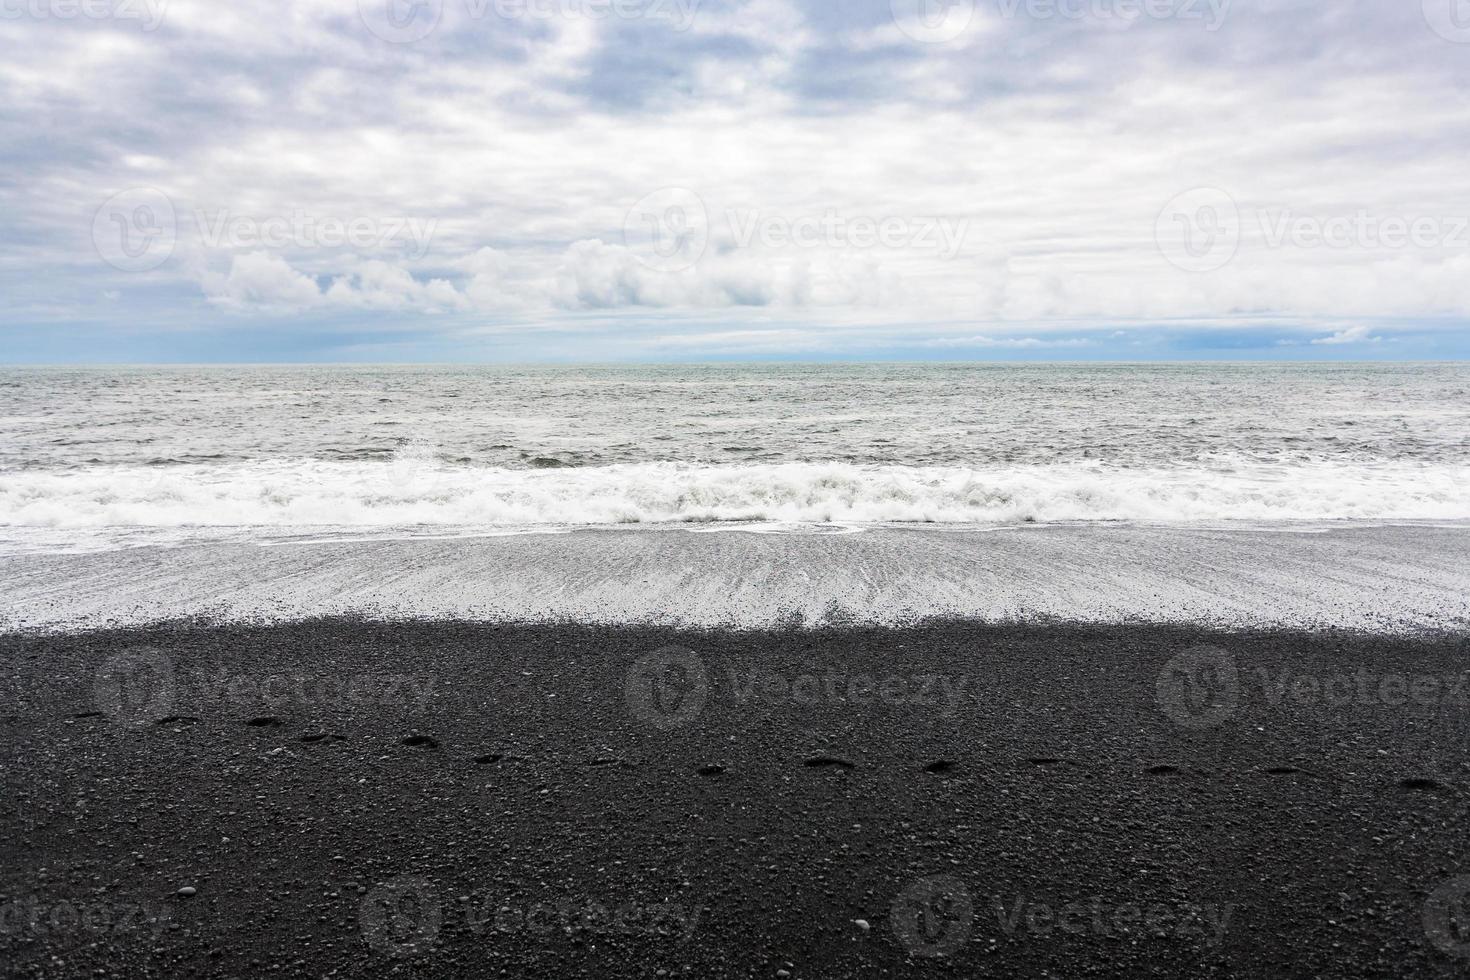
363,799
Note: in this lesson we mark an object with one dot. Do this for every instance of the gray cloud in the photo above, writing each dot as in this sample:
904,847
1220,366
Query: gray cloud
525,139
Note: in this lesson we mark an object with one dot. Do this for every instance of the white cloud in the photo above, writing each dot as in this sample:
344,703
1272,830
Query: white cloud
1010,343
258,280
1350,335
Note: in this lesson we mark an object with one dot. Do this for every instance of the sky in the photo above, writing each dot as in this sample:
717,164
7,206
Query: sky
691,180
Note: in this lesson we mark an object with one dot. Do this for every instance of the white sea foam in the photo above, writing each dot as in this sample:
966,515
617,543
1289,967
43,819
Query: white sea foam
419,492
1356,576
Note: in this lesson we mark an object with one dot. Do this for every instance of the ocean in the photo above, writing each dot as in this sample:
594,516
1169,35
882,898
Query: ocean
97,459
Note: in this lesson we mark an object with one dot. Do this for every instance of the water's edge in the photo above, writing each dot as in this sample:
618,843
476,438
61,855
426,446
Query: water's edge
1376,578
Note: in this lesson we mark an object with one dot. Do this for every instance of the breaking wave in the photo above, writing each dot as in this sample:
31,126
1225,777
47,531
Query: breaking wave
418,491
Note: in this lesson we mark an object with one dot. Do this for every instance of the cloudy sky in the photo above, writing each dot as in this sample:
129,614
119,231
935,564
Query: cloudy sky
540,180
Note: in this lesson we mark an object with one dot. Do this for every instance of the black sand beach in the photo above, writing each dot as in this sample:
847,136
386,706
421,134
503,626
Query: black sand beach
353,798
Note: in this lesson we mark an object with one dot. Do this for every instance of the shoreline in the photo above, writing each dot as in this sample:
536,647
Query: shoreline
1376,578
451,797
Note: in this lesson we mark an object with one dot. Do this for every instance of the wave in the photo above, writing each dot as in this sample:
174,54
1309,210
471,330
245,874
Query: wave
418,490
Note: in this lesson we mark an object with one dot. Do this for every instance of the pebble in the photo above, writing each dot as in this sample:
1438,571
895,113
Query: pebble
188,891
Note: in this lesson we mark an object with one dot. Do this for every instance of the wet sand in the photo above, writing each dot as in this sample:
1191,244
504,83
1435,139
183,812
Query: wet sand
475,799
1380,578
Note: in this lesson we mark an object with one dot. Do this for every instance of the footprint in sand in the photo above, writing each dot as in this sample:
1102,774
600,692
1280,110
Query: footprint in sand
1423,784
